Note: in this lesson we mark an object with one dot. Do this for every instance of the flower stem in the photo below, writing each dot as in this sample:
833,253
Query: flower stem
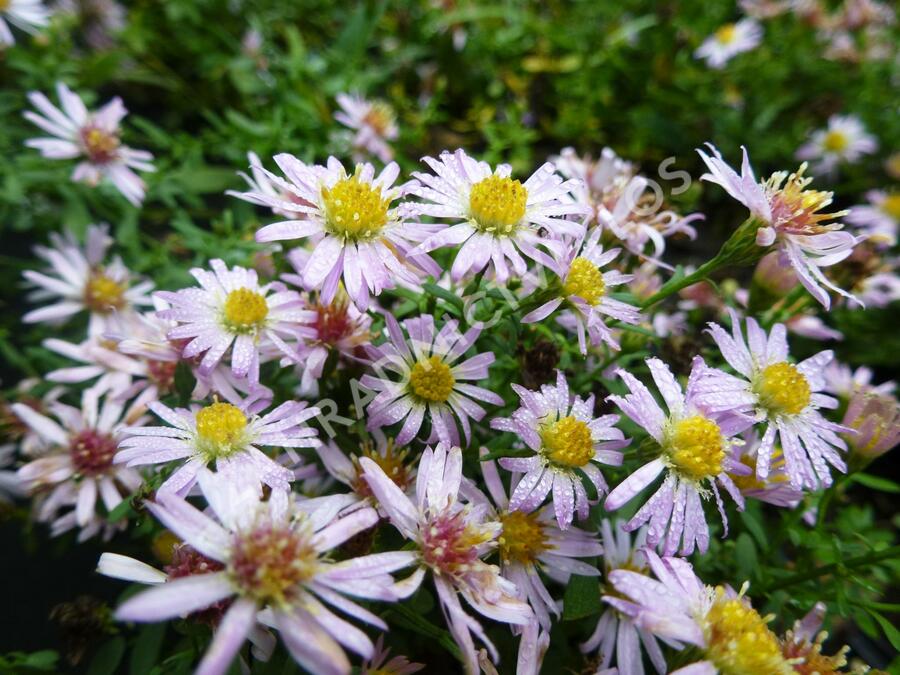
674,285
852,563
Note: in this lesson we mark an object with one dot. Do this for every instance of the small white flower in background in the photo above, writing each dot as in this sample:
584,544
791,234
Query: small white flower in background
232,310
94,136
844,140
79,467
789,216
27,15
373,122
223,434
500,216
729,41
81,281
878,220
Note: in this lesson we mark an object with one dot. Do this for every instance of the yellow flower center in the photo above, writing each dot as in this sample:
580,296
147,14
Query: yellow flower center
104,294
567,442
751,482
380,117
726,34
392,461
245,310
522,539
354,210
738,640
432,380
782,389
497,204
795,208
100,146
269,562
891,206
586,281
694,446
835,141
220,429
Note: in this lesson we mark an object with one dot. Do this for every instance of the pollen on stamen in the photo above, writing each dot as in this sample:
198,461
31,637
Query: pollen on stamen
567,442
432,380
245,310
497,204
695,447
355,210
782,389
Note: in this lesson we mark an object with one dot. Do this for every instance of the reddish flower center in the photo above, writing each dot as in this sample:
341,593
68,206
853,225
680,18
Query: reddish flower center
333,322
100,146
92,452
450,544
162,373
187,561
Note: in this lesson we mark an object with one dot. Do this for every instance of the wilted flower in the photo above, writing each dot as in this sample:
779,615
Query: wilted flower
358,235
373,122
27,15
785,213
76,132
79,280
566,440
875,417
429,379
451,541
693,447
803,646
500,216
781,394
844,140
728,41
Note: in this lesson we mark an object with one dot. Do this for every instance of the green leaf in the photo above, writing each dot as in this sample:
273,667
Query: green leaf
745,557
444,294
122,510
106,660
184,383
754,526
146,648
876,483
891,632
582,598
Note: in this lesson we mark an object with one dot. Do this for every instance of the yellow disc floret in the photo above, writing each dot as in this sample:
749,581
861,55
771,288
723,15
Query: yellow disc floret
695,447
726,34
738,641
354,210
103,294
835,141
891,206
245,310
782,389
220,429
585,280
497,204
432,380
522,539
567,442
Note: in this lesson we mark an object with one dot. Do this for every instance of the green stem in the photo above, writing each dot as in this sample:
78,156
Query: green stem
830,568
702,273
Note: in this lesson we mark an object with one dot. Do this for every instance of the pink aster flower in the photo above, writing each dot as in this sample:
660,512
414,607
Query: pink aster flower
566,440
382,664
601,181
728,41
79,467
585,291
499,217
277,570
616,634
531,544
27,15
693,453
842,380
677,607
844,140
783,396
358,235
93,136
451,540
221,433
259,182
423,373
878,220
79,280
231,310
788,216
373,122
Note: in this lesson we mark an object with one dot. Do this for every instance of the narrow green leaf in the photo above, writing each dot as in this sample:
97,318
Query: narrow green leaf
582,598
876,483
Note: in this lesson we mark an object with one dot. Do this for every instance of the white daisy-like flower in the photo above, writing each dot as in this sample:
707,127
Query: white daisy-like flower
728,41
27,15
500,216
358,235
616,635
222,433
782,395
420,374
78,280
79,467
585,292
94,136
232,310
788,215
259,182
878,220
373,122
844,140
566,439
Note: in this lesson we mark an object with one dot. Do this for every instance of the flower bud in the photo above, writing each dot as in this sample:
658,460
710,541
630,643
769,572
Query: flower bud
876,419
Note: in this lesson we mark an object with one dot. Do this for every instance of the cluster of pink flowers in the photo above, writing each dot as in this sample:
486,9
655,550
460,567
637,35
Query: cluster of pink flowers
233,366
